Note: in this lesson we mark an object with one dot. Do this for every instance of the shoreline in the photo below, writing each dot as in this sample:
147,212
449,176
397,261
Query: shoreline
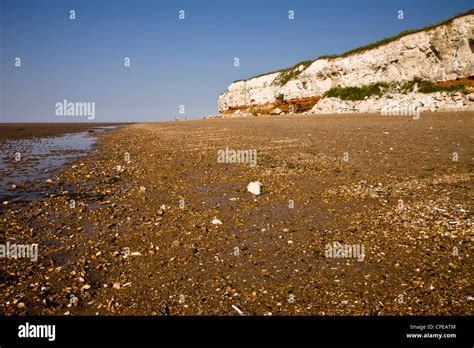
34,154
10,131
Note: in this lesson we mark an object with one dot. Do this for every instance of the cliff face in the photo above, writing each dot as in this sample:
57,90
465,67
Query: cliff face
442,53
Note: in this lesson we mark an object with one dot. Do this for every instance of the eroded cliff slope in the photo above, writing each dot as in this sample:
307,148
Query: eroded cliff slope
440,53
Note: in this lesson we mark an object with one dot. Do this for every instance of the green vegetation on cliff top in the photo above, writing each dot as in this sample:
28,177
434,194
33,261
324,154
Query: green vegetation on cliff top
380,88
287,74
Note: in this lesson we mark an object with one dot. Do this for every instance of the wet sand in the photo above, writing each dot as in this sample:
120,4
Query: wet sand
31,130
127,247
32,153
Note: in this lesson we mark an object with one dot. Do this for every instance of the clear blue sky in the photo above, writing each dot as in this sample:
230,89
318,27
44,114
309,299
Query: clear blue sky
175,62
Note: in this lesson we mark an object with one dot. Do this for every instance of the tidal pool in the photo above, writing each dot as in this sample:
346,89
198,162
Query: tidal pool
24,162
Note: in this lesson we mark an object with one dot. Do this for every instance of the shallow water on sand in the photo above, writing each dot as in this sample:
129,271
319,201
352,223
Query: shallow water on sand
26,161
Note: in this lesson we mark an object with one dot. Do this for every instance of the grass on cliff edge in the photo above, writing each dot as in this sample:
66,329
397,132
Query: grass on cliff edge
380,88
287,74
399,35
430,87
357,93
291,72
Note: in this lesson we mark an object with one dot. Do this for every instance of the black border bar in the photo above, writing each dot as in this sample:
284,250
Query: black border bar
291,331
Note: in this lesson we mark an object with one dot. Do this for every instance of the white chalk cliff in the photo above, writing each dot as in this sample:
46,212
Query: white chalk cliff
441,53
